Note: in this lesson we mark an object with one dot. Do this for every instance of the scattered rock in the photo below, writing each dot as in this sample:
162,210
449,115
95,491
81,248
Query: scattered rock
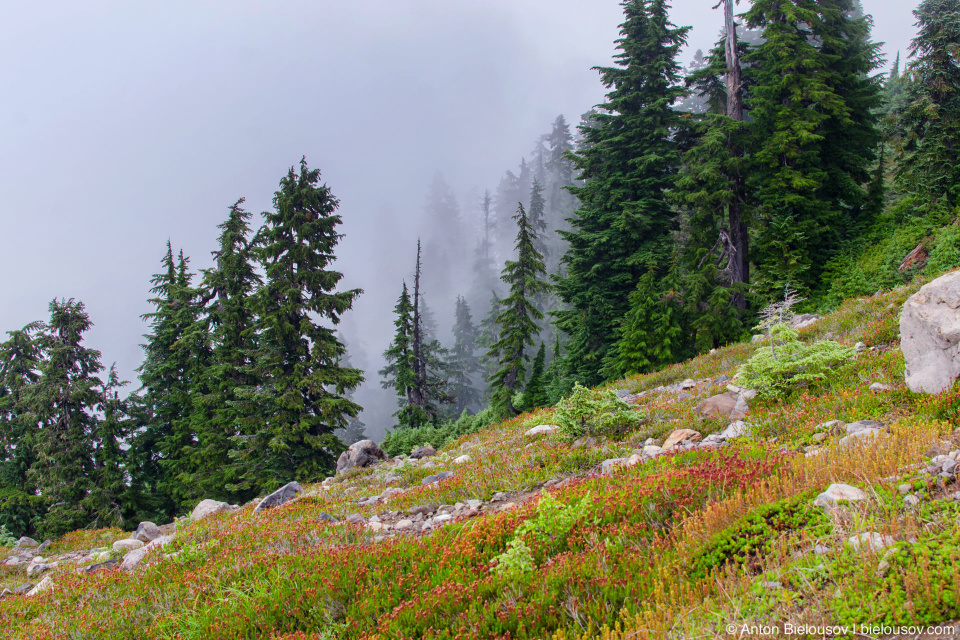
904,489
284,494
37,568
608,466
146,532
26,543
737,429
5,593
423,452
364,453
209,507
819,437
721,379
859,435
911,500
720,405
681,436
356,518
652,450
462,459
541,430
586,441
107,564
687,384
135,557
326,517
930,335
404,524
123,546
859,347
804,320
443,475
45,585
872,541
879,386
22,589
837,492
43,547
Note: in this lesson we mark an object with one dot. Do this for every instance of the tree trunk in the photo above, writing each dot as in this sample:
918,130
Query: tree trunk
737,256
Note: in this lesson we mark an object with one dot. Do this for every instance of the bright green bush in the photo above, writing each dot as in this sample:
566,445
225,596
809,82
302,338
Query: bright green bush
589,412
404,440
7,539
784,363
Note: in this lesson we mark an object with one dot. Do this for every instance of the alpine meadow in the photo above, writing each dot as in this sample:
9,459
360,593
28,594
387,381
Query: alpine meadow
688,370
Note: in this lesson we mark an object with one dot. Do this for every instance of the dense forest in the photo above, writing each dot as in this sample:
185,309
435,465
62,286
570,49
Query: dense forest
791,155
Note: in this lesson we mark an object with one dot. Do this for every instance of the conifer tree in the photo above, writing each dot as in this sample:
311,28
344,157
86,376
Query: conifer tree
65,401
517,321
484,271
223,414
463,360
929,129
623,225
535,394
108,473
488,335
399,373
302,395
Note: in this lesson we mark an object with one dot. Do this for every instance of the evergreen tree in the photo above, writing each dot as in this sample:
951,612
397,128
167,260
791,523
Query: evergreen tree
624,224
489,334
929,129
65,401
108,473
535,394
223,415
517,321
353,431
399,373
301,398
553,377
484,271
537,220
463,360
445,239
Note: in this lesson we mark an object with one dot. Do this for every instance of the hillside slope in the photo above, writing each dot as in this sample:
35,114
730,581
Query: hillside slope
538,536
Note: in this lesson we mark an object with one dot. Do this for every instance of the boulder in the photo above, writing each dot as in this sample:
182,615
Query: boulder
122,546
541,430
681,436
147,531
22,589
443,475
873,541
37,568
106,564
45,585
461,459
837,492
26,543
608,466
720,405
284,494
930,335
135,557
364,453
326,517
804,320
423,452
209,507
736,429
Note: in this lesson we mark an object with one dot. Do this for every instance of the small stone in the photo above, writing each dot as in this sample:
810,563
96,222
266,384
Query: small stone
541,429
882,568
5,593
390,492
721,379
949,466
45,585
684,396
474,504
911,500
425,451
820,549
904,489
859,347
122,546
376,526
688,384
608,466
404,524
133,559
836,492
44,546
819,437
873,541
859,435
356,518
22,589
443,517
461,459
209,507
443,475
748,394
146,532
879,386
499,496
772,585
422,509
736,429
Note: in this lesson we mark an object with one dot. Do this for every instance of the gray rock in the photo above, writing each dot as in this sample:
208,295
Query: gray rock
681,436
5,593
107,564
443,475
721,379
623,393
911,500
499,496
879,386
804,320
904,489
356,518
684,396
949,466
209,507
737,429
859,435
26,543
43,547
146,532
37,568
44,585
872,541
930,335
859,347
860,425
133,559
541,429
423,452
836,492
462,459
22,589
326,517
608,466
122,546
364,453
284,494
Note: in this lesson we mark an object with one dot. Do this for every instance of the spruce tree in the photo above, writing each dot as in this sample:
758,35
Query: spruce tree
65,401
518,319
623,226
463,360
106,499
535,394
929,128
399,373
302,394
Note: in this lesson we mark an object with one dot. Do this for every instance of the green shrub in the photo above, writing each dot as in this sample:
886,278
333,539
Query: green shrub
758,533
588,412
549,529
404,440
946,251
7,539
784,363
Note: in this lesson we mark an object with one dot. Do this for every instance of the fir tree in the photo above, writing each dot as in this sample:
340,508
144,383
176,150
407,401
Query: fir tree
929,128
399,373
535,394
517,321
463,360
623,226
302,397
65,401
108,472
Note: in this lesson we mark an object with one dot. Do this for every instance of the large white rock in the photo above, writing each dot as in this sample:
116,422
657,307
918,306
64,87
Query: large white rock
541,429
930,335
836,492
121,546
45,584
364,453
135,557
209,507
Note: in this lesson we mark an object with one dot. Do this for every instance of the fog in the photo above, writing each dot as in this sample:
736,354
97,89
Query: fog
128,123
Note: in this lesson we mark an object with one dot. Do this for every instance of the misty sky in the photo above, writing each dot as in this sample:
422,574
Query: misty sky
123,124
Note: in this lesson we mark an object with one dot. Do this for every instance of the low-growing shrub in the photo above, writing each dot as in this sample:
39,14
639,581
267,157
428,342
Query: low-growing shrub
588,412
7,539
403,441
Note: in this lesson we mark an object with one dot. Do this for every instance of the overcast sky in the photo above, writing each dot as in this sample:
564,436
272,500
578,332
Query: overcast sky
123,124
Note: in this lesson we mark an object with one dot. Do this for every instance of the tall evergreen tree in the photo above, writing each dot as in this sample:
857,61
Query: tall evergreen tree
399,373
302,396
65,401
929,130
535,394
624,224
108,473
518,320
463,360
